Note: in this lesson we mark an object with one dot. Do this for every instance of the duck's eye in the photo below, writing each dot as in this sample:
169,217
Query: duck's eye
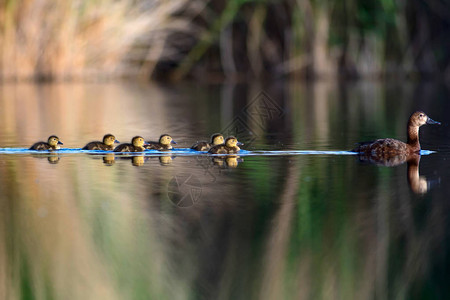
421,115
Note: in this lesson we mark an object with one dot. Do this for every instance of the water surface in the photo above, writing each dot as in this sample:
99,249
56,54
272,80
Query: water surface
294,217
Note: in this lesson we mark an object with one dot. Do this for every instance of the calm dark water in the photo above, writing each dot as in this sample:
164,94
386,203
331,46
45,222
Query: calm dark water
82,226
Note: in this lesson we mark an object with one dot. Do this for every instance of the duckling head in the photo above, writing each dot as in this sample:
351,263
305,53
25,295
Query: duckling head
138,141
217,139
419,118
166,139
232,142
54,141
110,139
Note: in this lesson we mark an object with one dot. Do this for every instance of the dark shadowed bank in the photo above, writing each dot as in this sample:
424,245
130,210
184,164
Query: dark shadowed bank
217,39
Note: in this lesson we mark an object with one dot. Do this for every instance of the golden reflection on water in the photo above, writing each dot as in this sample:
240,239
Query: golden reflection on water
78,112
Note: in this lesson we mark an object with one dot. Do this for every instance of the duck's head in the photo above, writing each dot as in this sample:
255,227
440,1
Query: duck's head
54,141
109,139
231,141
217,139
419,118
138,141
166,139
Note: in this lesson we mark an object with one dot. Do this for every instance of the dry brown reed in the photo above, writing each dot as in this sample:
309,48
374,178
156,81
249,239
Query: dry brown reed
67,39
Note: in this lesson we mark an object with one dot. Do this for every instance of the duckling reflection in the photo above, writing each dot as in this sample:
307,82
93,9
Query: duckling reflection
109,159
418,184
227,162
52,158
138,161
165,160
164,143
52,143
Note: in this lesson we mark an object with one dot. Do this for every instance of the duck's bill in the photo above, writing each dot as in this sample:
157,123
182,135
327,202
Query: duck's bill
239,144
173,142
60,143
116,142
433,122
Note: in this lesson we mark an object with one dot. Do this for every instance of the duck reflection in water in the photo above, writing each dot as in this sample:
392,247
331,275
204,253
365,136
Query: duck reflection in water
138,161
165,160
52,158
418,184
227,162
109,159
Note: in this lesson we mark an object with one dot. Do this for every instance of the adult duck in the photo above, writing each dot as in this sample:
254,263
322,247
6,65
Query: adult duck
384,148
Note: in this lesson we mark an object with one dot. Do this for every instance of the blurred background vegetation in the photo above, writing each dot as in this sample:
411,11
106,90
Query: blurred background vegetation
219,39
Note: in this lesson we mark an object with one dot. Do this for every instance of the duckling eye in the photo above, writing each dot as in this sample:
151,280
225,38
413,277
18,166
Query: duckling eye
421,115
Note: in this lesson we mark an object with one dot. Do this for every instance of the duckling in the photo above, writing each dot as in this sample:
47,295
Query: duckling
216,139
385,148
137,145
108,143
52,144
164,143
230,147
